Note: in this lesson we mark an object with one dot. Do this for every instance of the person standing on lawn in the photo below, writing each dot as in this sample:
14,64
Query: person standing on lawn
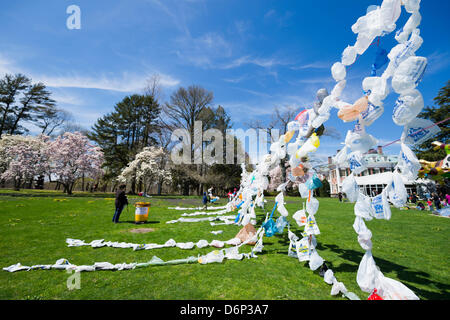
205,201
121,201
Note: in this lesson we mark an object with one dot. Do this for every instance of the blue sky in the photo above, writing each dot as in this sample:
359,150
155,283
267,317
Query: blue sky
253,54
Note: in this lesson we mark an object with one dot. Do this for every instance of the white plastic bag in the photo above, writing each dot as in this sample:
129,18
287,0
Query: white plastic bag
303,190
348,56
312,206
418,130
315,261
397,191
311,227
408,163
300,217
302,249
408,74
338,71
367,273
359,141
350,188
390,289
407,107
357,163
213,256
380,206
363,207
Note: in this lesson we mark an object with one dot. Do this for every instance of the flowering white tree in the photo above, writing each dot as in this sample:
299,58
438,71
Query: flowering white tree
23,158
148,167
71,157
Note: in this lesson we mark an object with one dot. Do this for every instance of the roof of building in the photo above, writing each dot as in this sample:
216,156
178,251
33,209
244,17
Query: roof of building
384,178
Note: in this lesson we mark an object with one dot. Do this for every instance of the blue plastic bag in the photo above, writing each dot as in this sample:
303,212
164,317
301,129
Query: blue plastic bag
381,58
313,182
280,224
269,226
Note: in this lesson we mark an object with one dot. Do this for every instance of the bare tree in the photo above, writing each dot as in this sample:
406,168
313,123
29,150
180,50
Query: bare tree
52,118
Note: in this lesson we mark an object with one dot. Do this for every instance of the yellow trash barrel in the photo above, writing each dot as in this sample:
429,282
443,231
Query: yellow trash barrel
141,212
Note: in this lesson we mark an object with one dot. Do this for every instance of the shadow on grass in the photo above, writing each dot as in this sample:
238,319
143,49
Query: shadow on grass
403,273
146,222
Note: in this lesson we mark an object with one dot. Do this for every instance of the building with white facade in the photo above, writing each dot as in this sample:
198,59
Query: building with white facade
372,180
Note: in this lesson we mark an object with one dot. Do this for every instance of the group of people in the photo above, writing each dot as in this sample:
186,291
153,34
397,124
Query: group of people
433,201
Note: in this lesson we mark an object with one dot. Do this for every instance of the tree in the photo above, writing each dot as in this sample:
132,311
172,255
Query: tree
51,119
148,167
21,100
436,114
123,133
23,158
10,87
72,156
187,106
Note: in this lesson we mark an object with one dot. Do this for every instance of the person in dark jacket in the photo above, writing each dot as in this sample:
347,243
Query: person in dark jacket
205,201
121,201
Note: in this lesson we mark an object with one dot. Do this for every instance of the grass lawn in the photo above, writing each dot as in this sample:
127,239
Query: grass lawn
412,247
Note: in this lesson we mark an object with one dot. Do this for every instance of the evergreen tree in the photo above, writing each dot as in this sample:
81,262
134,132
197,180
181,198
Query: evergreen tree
436,114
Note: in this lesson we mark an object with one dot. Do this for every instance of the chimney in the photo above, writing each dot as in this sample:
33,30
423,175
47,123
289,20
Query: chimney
330,160
380,149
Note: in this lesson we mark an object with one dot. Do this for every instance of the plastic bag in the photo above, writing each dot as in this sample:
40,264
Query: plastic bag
348,56
411,5
300,217
315,261
397,192
350,113
380,206
341,157
302,249
357,162
364,239
280,224
313,182
376,88
363,207
213,256
359,226
311,226
312,206
390,289
407,107
402,51
303,190
418,131
408,163
372,113
408,74
367,273
412,23
310,145
359,141
338,71
279,199
350,188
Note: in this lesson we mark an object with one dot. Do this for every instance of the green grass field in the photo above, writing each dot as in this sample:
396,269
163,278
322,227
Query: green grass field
412,247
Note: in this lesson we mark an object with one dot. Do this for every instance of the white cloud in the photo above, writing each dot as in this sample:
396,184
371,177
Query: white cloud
313,65
203,51
125,82
261,62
